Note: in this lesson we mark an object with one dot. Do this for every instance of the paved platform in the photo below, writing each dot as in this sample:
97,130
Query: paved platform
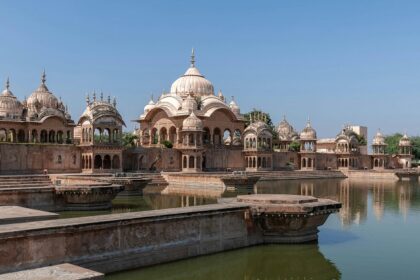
17,214
63,271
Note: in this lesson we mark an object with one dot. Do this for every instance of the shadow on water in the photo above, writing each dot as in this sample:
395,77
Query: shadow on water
332,236
260,262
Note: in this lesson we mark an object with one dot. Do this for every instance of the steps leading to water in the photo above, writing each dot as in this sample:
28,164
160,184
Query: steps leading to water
156,179
293,175
24,181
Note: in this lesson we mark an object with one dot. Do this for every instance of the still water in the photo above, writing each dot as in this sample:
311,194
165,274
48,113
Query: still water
376,235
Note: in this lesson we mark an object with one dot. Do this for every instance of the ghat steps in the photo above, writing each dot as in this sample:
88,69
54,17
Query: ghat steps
293,175
24,181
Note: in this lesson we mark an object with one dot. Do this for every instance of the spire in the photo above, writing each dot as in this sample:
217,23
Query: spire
192,58
109,99
43,77
7,84
114,102
102,96
94,96
87,99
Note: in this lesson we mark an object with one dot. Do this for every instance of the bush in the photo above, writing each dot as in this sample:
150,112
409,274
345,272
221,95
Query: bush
168,144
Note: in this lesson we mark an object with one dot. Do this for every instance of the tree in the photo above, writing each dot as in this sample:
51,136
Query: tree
392,141
129,139
361,139
415,141
267,119
294,146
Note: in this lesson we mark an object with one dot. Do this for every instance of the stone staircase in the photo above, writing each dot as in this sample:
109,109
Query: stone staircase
293,175
24,181
157,179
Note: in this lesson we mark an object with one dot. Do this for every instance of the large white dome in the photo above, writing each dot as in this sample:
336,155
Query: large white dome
192,82
10,107
42,98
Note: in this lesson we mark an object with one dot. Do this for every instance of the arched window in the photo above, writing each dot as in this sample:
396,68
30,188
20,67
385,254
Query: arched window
34,136
106,137
163,135
97,135
217,136
60,137
51,136
12,135
107,162
227,137
115,162
98,162
191,162
44,136
3,135
172,135
206,136
21,136
184,162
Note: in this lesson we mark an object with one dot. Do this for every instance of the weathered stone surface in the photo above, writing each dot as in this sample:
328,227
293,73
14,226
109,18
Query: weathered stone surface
17,214
122,241
63,271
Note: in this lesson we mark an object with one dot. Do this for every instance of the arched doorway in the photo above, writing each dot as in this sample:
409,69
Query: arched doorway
98,162
115,162
107,162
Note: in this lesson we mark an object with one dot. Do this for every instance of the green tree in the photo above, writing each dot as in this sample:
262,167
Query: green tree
294,146
128,139
415,141
267,119
392,142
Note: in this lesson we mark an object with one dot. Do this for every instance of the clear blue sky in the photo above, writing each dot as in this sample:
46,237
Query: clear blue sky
336,61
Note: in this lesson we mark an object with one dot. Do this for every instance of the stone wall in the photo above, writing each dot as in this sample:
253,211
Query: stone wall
124,241
34,158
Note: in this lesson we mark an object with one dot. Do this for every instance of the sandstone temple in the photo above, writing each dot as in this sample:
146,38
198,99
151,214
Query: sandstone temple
188,129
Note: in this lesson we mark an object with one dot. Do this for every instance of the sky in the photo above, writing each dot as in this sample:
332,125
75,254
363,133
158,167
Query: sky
336,62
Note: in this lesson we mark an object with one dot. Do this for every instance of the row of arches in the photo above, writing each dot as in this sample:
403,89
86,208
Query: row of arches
308,162
34,136
378,163
260,143
347,162
191,162
209,137
258,162
101,135
103,162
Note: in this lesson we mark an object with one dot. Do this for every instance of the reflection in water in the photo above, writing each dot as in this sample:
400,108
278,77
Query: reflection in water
261,262
353,194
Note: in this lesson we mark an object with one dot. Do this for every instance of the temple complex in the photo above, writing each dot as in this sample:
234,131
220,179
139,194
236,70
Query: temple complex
188,129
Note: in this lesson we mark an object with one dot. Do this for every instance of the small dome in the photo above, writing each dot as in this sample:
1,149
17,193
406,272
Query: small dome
149,106
9,105
192,123
286,131
189,104
192,82
42,98
234,107
404,141
379,139
308,133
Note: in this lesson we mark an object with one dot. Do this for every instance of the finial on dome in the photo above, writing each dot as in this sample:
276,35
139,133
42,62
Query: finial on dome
94,96
114,102
7,83
87,99
109,99
192,58
102,96
43,77
284,117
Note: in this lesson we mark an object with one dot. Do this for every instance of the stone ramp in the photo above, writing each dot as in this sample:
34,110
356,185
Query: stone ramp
63,271
17,214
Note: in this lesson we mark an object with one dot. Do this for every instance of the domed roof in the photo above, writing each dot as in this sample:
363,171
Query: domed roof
189,103
101,108
234,107
192,82
9,105
149,106
42,98
257,127
404,141
192,123
286,131
308,133
379,139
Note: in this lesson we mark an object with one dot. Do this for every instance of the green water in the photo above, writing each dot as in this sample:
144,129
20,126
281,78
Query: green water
376,235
